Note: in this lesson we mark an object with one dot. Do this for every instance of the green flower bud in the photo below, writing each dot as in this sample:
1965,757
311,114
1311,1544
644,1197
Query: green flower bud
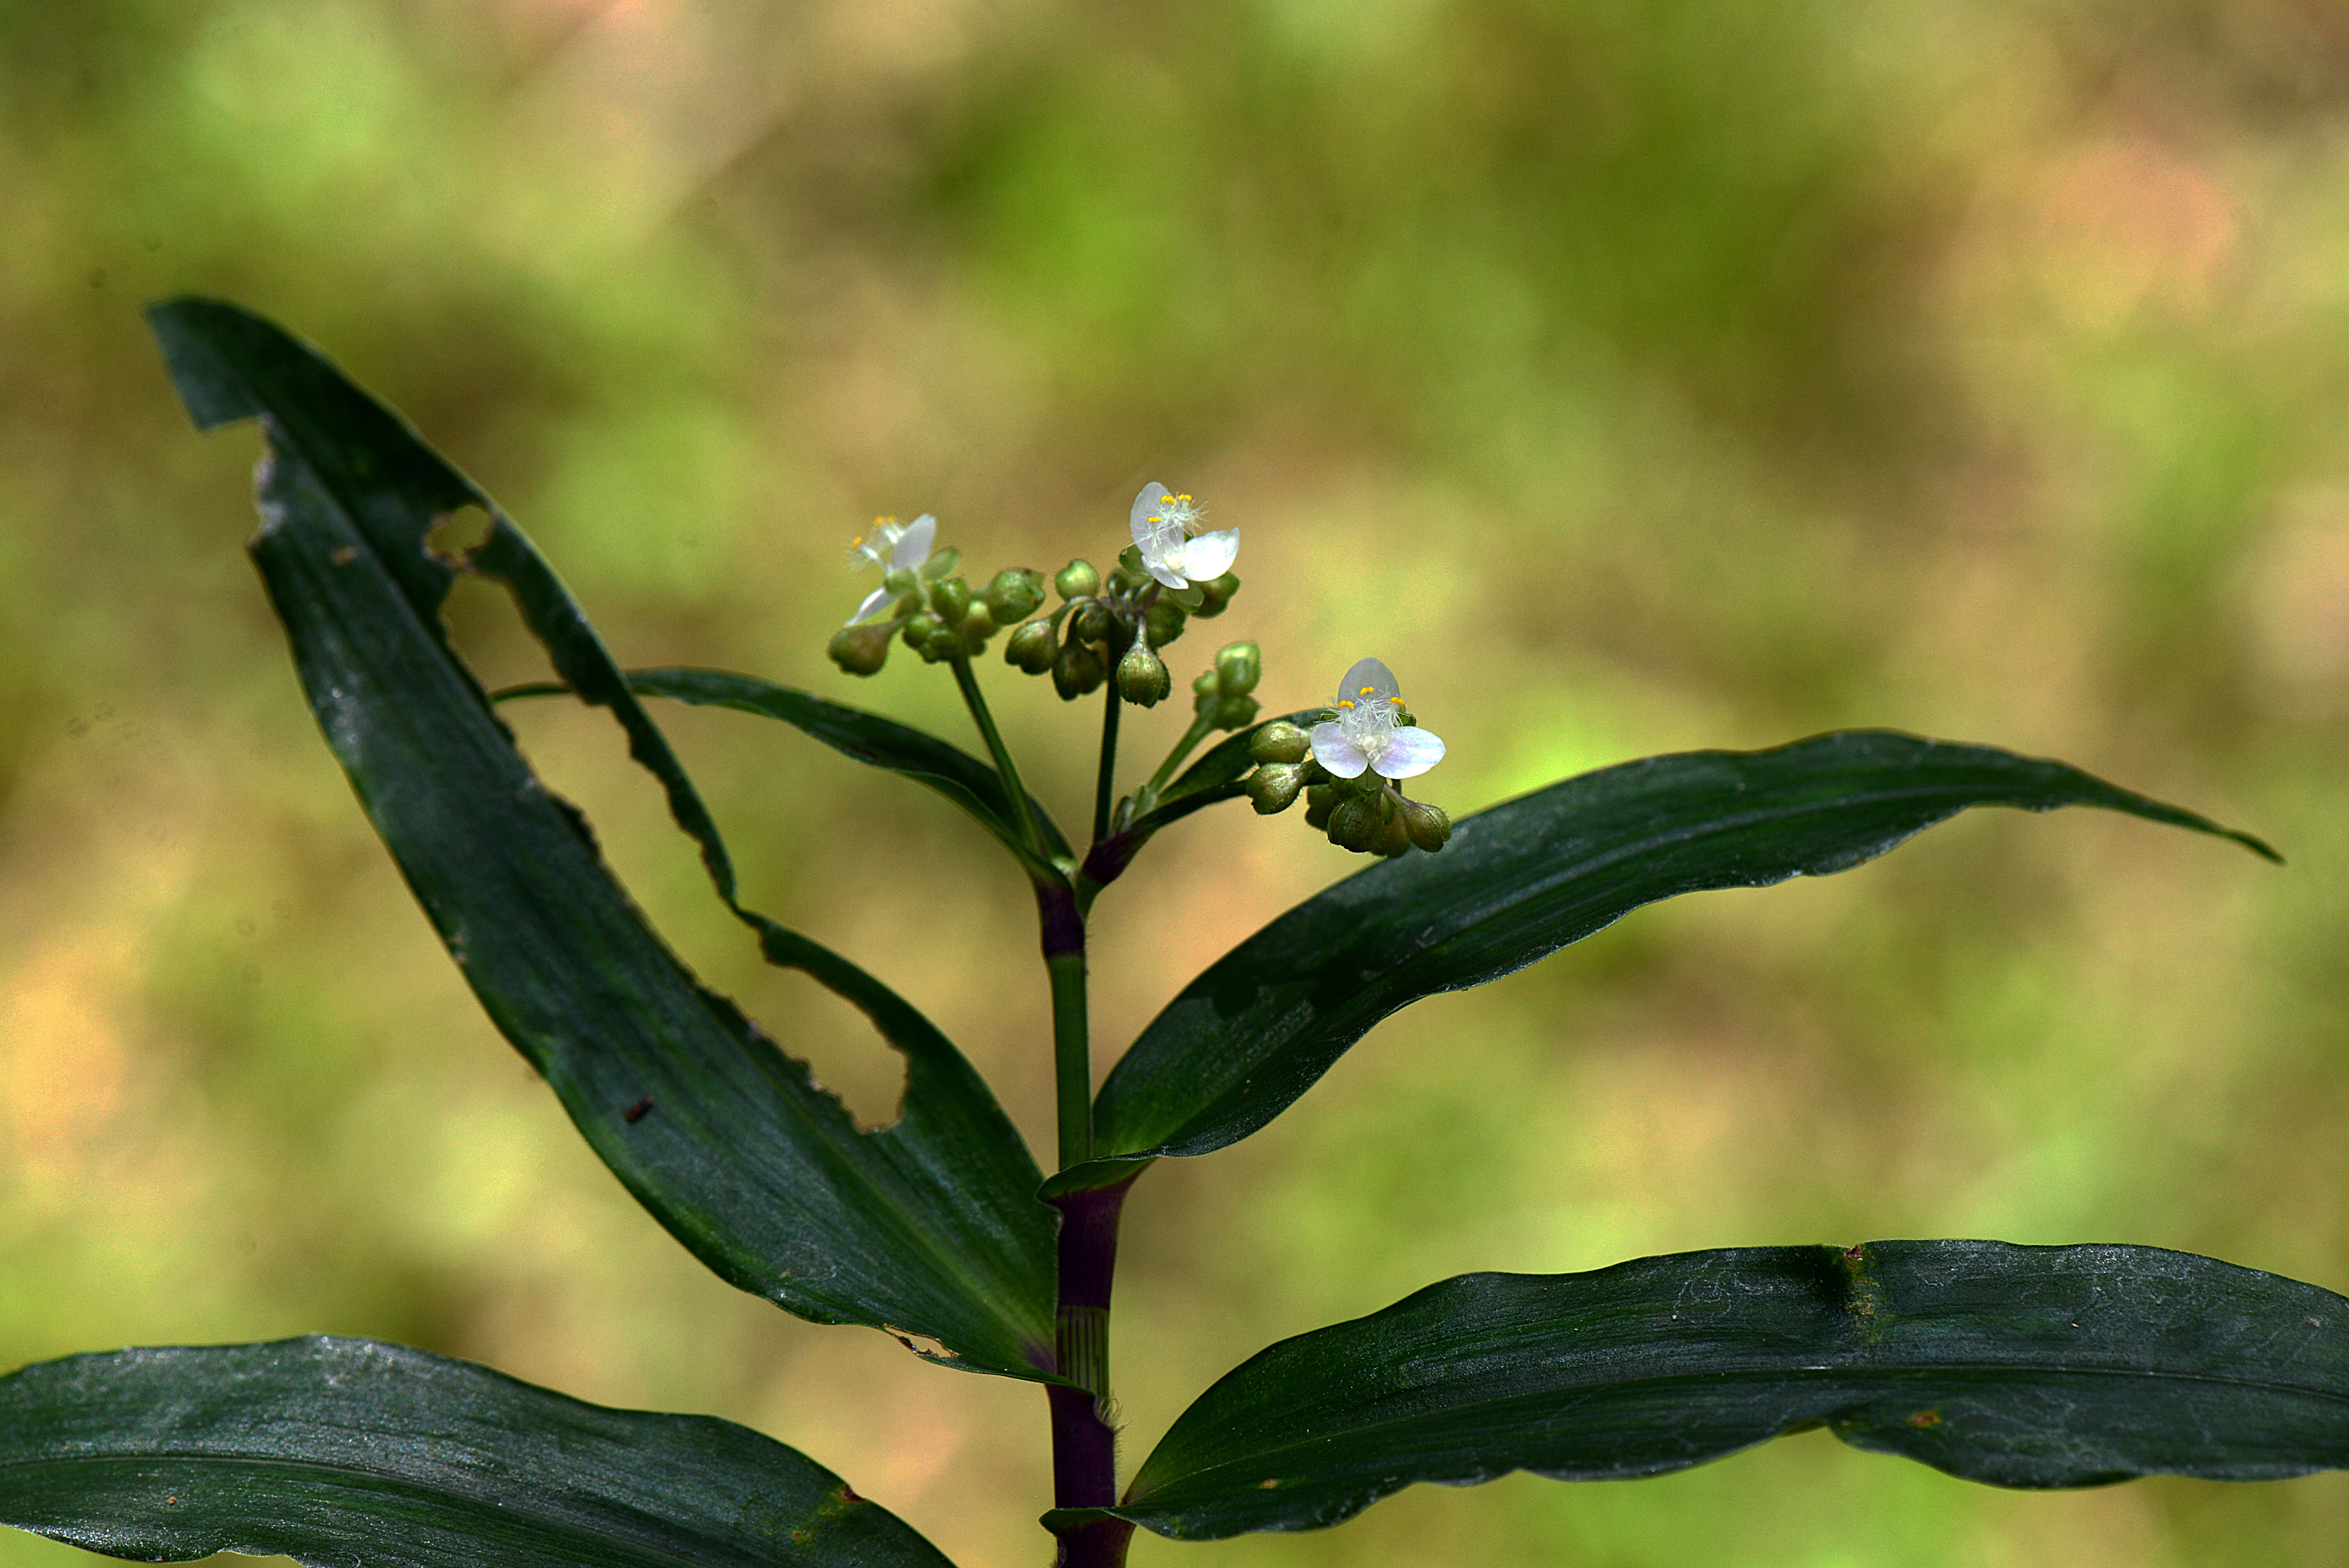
1427,825
1204,688
951,599
976,627
1076,671
861,650
1015,595
1234,713
940,646
1091,625
941,562
1356,823
1031,647
1274,788
1129,561
1280,741
1215,593
1077,579
1396,839
1163,622
1321,800
921,628
1141,678
899,581
1238,669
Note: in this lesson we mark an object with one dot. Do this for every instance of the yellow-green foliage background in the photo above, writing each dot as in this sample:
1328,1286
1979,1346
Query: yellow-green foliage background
1631,377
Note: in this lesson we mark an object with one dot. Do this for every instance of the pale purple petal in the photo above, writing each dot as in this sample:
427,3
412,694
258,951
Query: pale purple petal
876,600
913,544
1210,555
1372,675
1336,752
1146,506
1411,752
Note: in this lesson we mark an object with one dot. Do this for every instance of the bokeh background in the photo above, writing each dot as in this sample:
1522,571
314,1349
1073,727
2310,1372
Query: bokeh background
1631,377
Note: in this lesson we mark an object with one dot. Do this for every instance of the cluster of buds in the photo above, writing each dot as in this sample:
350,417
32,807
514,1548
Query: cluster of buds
920,599
1113,628
1347,767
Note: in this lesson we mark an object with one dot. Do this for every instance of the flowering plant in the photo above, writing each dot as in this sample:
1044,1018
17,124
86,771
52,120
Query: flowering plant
2023,1366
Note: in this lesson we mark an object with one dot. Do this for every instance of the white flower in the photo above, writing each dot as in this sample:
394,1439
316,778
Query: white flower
1364,734
1160,523
894,547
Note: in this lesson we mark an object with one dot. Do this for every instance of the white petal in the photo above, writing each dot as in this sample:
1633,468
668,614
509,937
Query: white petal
1166,573
1411,752
913,544
1209,556
1369,679
1333,750
1146,506
876,600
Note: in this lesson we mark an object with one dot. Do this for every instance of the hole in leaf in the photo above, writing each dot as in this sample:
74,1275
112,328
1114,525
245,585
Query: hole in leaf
457,535
837,1043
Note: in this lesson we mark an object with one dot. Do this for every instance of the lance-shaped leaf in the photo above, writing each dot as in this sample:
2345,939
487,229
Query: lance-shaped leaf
1241,1042
927,1227
900,748
2023,1366
345,1453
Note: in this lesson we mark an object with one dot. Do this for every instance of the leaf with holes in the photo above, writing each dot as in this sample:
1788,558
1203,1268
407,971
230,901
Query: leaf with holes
927,1228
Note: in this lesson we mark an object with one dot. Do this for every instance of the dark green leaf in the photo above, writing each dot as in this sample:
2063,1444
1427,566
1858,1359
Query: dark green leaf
868,738
2024,1367
348,1453
928,1227
1517,883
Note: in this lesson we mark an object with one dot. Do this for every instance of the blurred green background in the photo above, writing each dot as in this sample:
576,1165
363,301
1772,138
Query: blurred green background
1630,377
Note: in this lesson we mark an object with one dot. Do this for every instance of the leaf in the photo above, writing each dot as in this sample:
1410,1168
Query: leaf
927,1228
870,739
346,1454
2021,1367
1244,1040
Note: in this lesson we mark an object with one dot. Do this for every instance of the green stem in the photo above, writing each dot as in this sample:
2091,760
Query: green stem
1201,727
967,679
1105,786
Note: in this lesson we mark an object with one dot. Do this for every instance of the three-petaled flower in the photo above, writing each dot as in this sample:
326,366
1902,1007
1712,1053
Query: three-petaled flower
894,547
1161,523
1364,733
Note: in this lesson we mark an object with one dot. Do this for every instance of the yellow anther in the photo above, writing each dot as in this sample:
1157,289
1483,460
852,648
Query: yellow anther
1345,702
1367,691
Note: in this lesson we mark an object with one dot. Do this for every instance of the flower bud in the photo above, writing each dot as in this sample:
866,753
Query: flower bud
1321,800
976,627
1014,595
1077,579
940,646
899,581
1427,825
1280,741
1356,824
1091,624
921,628
951,599
1238,669
1031,647
1129,561
1273,789
1204,688
1141,678
1234,713
861,650
1215,593
1396,839
1076,671
941,562
1162,623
